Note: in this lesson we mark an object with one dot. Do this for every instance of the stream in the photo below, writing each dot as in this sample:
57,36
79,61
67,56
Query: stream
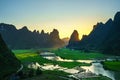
96,67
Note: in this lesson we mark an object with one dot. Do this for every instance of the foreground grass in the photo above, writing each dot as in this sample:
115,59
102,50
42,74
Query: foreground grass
27,56
24,51
49,75
112,65
97,78
77,55
8,71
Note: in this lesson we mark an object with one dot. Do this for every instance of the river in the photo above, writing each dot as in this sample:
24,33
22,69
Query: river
96,67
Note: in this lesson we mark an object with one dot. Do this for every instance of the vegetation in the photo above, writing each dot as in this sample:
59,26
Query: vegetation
6,59
27,56
50,75
97,78
112,65
77,55
24,51
37,74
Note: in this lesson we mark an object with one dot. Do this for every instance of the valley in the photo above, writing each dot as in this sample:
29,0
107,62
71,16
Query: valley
31,59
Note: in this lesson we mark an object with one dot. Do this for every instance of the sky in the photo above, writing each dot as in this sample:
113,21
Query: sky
64,15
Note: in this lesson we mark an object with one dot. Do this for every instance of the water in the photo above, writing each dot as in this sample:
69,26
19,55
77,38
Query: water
97,68
52,56
52,67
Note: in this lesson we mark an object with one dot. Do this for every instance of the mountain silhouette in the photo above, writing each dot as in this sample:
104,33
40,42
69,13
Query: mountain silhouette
8,62
74,39
66,40
105,37
25,39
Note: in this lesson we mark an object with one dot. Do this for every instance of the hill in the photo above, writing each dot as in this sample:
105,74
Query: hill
105,37
8,62
25,39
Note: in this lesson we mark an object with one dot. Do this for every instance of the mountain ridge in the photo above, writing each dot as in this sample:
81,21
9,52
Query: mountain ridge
104,38
25,39
8,62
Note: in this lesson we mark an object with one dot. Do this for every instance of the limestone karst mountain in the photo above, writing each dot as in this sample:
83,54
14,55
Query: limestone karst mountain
105,37
66,40
74,39
25,39
8,62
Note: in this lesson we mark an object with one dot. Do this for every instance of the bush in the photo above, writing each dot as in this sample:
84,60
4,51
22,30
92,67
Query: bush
38,71
31,73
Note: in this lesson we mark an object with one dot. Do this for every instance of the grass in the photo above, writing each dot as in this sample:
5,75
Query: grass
6,72
112,65
27,56
97,78
24,51
50,75
58,75
77,55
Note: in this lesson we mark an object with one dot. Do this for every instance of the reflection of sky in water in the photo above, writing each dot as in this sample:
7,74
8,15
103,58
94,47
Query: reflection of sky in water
52,67
97,68
52,56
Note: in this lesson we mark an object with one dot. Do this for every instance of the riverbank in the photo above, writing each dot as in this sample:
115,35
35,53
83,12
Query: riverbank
32,56
112,65
50,75
28,57
97,78
78,55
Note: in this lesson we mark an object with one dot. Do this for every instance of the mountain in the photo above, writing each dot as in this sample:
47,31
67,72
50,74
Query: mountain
97,36
112,44
8,62
74,39
54,39
25,39
65,40
105,37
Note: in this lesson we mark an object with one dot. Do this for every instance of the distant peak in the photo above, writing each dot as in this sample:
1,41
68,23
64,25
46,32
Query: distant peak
74,36
109,21
75,31
42,32
118,13
55,30
24,28
99,23
117,16
55,34
34,31
37,32
5,26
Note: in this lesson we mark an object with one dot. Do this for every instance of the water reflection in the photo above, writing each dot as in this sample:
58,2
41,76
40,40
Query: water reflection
97,68
52,56
35,65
